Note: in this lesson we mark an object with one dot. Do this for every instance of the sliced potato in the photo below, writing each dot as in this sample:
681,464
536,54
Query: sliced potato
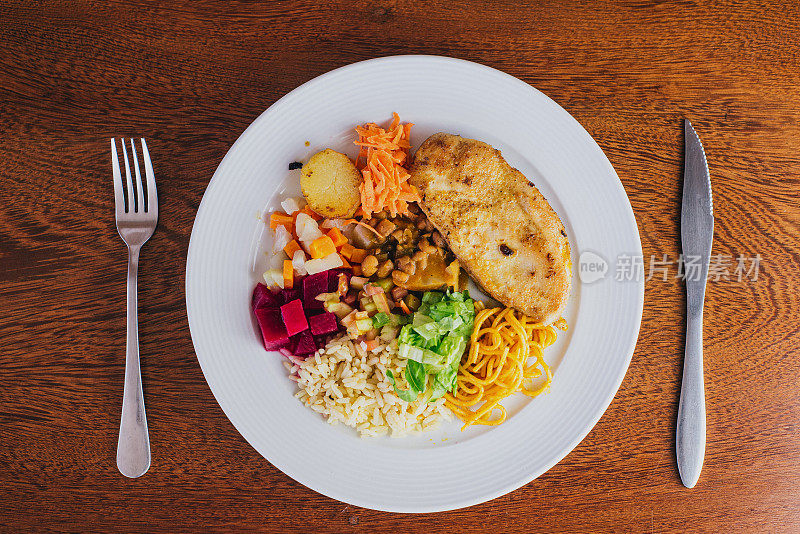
330,181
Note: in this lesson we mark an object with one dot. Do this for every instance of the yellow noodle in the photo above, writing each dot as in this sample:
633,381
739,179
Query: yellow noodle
496,364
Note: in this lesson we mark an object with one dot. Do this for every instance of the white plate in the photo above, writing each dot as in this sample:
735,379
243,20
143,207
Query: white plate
447,469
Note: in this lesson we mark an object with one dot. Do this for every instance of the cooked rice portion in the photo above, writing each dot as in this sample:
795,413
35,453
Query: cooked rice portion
348,384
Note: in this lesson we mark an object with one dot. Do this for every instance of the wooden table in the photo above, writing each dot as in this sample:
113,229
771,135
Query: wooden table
190,76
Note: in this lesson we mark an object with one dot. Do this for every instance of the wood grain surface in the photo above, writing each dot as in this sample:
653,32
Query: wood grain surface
191,76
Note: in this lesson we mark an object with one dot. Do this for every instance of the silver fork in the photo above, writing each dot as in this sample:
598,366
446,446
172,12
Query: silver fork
136,221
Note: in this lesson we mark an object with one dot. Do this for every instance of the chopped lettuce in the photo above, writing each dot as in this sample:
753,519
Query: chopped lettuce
434,342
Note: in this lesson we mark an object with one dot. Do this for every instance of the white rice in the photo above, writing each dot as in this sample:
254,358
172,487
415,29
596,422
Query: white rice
349,385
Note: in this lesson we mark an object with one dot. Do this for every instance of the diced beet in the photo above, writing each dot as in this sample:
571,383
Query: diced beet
333,277
313,285
294,317
264,298
290,294
304,344
273,331
324,323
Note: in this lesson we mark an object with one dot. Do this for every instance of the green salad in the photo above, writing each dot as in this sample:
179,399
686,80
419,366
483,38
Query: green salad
434,342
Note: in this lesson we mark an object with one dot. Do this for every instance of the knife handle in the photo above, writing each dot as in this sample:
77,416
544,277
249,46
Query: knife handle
690,436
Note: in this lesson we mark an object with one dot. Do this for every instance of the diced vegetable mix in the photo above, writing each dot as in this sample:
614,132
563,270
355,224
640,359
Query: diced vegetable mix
337,273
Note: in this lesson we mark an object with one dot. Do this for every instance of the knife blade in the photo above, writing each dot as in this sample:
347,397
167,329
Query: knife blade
697,232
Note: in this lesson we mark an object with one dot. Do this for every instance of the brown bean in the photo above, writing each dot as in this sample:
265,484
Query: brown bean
398,234
438,240
421,224
398,293
409,268
425,246
384,269
399,277
386,227
369,266
418,255
403,260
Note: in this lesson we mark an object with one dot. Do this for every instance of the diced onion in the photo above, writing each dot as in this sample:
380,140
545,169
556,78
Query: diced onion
299,263
282,238
307,228
334,223
276,261
292,205
274,278
330,261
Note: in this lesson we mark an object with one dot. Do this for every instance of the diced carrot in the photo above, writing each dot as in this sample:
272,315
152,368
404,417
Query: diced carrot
321,247
346,250
358,255
404,307
308,211
288,274
372,344
356,270
338,237
345,262
279,218
314,215
291,248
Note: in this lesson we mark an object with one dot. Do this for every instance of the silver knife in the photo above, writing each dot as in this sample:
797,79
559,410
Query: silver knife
697,233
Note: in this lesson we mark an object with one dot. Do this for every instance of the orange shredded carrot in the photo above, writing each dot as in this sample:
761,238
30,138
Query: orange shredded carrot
384,151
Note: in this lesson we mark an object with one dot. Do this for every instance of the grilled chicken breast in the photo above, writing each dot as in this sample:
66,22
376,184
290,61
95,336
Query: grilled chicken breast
498,225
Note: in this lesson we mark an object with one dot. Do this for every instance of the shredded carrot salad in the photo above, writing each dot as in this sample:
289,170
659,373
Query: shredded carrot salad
384,152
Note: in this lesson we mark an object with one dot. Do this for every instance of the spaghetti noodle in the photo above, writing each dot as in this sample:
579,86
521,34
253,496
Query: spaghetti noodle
496,364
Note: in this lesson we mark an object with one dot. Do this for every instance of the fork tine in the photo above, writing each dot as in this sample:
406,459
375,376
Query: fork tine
139,189
119,194
152,196
128,181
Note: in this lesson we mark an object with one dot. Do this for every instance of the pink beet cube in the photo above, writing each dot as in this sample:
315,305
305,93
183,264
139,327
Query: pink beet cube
294,317
304,344
313,285
264,298
324,323
273,331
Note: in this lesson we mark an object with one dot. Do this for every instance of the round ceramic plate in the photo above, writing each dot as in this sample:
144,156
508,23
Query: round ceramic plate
447,468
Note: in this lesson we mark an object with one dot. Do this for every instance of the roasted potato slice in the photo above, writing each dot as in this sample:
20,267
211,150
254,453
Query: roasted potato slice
330,182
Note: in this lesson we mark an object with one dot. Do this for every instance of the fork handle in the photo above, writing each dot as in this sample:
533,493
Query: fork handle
133,447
